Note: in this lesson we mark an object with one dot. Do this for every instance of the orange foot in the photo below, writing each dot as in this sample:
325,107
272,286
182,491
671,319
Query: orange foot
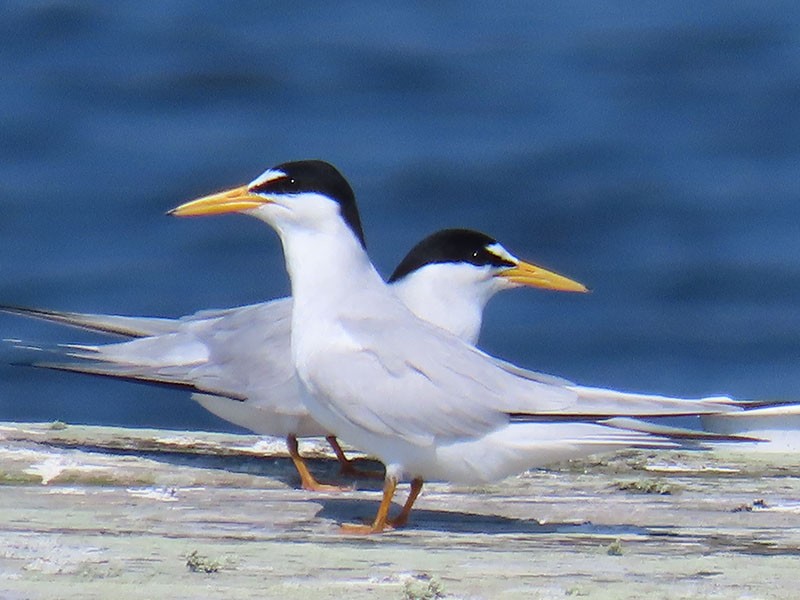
316,486
363,529
307,481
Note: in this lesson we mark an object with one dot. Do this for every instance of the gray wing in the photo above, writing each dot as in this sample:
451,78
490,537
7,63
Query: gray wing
249,352
408,378
125,325
112,324
239,353
393,374
614,401
528,374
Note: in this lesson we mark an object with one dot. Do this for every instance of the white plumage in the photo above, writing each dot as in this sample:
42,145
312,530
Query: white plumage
239,360
425,402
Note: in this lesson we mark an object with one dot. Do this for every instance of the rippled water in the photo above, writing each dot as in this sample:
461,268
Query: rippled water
647,150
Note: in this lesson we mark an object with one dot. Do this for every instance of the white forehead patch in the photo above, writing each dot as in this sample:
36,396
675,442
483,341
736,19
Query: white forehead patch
501,253
266,176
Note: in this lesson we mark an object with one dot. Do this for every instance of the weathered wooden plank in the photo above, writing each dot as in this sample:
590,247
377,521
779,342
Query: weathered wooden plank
98,512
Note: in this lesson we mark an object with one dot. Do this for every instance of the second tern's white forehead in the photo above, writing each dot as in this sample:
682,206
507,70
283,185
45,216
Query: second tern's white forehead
266,177
498,250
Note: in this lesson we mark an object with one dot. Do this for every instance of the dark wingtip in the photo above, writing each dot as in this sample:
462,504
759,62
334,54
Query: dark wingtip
26,364
132,378
16,309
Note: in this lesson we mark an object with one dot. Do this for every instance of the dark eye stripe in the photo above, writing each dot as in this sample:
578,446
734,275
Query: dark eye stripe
485,257
280,185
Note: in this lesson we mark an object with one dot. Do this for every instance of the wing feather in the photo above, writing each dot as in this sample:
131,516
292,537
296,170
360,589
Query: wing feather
243,352
395,375
419,382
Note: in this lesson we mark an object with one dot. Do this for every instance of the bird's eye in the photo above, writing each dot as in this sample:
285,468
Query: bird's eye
475,254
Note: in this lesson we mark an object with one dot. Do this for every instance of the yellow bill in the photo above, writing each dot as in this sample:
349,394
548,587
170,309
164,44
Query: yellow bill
533,276
233,200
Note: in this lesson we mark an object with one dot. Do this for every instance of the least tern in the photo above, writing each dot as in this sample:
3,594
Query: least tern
447,279
425,402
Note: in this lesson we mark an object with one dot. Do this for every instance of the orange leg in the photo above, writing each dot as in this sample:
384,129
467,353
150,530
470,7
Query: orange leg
381,519
401,519
306,478
346,465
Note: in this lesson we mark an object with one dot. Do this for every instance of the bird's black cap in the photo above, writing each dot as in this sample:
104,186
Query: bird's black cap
450,246
320,177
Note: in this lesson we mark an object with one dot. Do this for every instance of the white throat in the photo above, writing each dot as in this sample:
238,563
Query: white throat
450,296
331,279
331,261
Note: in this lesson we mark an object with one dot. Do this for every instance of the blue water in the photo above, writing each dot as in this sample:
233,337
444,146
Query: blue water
648,149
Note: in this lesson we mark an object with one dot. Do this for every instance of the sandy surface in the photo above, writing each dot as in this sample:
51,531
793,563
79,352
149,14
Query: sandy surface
97,512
